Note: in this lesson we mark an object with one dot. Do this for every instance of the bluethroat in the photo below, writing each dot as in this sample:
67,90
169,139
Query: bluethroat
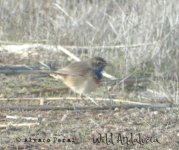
82,77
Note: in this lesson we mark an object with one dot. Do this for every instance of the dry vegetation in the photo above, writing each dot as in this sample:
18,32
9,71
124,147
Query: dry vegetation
137,36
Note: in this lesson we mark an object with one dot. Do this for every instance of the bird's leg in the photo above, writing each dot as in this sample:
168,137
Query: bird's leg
77,97
82,96
88,97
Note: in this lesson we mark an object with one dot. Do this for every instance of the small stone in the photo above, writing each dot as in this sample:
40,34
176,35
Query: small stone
178,134
116,109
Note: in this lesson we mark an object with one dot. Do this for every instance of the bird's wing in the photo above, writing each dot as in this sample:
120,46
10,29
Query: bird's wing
76,69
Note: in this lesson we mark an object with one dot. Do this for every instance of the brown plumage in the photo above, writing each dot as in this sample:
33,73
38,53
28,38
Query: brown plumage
82,77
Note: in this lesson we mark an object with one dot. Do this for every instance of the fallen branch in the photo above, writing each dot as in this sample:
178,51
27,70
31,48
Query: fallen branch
113,107
19,69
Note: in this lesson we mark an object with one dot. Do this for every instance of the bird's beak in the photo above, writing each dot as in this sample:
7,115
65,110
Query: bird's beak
106,64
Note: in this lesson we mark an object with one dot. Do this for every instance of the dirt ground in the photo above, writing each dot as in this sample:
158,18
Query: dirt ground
79,129
122,128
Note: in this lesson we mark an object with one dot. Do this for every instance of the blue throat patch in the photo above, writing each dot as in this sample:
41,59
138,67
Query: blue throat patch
98,72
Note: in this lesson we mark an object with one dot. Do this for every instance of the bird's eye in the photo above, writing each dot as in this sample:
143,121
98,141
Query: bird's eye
99,63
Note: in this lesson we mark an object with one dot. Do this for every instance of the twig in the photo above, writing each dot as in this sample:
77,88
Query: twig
18,125
61,9
67,52
19,117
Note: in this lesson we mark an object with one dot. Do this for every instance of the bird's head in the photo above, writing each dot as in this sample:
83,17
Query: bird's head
98,63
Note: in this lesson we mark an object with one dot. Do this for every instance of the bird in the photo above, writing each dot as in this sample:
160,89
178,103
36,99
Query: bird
82,77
